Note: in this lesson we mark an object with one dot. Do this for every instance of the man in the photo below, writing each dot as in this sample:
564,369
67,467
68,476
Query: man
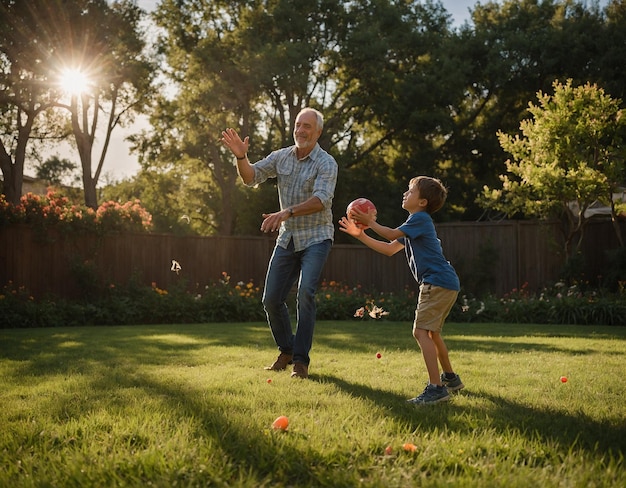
306,177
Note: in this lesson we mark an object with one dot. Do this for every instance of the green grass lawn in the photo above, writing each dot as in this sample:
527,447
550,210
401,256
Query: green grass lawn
190,405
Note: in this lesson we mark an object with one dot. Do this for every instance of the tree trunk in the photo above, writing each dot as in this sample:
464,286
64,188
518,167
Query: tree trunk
13,171
84,144
11,185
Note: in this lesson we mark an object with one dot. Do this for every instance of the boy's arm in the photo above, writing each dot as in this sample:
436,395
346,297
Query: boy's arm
387,248
386,232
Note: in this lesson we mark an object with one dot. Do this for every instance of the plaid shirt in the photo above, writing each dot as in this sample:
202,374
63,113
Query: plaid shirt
299,180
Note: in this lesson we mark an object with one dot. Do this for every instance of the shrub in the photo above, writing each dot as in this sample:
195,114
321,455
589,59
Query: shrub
223,301
337,301
558,304
113,216
54,209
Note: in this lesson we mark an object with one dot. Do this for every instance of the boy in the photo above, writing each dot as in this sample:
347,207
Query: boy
438,281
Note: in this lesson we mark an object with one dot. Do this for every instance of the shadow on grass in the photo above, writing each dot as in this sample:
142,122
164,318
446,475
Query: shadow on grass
47,352
371,335
50,351
51,345
566,430
263,455
267,456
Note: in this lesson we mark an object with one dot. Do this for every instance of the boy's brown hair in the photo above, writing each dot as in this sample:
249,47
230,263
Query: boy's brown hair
432,190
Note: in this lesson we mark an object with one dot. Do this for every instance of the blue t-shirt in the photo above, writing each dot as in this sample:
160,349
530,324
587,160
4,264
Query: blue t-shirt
424,253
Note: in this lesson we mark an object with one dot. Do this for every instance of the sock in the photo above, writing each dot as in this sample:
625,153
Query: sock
449,376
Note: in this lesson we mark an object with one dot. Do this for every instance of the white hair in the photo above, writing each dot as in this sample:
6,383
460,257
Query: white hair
318,115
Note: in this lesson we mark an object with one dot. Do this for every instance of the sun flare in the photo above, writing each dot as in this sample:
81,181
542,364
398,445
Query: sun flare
74,81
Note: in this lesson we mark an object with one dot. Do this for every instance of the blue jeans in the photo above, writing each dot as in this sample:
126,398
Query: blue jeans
285,267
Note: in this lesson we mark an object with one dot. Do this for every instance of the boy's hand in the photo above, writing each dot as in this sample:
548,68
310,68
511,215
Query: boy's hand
349,227
363,218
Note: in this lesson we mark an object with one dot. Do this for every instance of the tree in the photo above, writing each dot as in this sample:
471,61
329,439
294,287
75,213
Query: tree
159,195
42,41
514,49
234,64
25,89
102,43
609,61
570,154
57,171
397,77
402,93
254,65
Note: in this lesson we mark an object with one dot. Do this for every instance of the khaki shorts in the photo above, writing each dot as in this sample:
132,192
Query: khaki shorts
433,306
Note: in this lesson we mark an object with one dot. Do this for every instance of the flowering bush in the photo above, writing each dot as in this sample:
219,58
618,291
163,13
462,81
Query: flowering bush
129,216
337,301
224,301
54,209
556,304
135,303
221,301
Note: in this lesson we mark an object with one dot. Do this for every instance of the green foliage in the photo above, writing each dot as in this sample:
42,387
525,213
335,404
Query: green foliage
403,94
569,155
26,89
338,301
570,152
379,71
57,171
220,301
514,49
560,304
159,193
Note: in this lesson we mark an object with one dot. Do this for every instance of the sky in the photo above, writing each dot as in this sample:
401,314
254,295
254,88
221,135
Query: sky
120,163
457,8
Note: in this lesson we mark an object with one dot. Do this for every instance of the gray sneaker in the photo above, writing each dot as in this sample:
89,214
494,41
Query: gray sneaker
431,394
454,384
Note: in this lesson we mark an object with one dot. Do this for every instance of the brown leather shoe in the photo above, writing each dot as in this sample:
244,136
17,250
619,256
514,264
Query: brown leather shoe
300,371
281,362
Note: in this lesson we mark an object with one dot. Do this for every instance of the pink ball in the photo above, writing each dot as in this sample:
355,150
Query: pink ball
364,205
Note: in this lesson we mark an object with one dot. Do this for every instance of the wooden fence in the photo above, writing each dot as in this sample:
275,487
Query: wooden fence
496,257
